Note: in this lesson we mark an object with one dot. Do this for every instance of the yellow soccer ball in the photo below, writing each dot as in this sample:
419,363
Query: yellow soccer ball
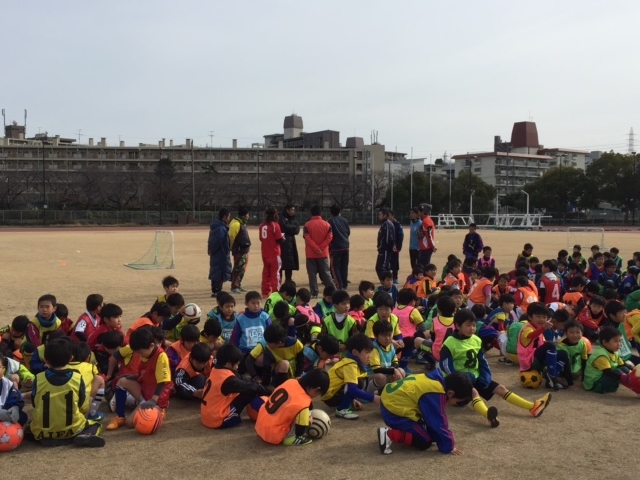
531,379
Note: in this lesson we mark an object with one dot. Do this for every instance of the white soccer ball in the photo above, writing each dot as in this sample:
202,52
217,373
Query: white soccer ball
320,424
192,311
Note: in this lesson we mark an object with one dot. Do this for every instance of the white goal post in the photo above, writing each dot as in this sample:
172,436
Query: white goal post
160,254
585,237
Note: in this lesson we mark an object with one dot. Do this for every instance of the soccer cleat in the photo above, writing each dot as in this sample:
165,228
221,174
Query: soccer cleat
384,442
90,441
236,291
242,289
297,441
552,382
540,405
96,417
116,423
492,416
505,361
347,414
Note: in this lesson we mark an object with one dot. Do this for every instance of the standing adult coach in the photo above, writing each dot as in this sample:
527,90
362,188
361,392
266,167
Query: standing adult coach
219,249
339,248
317,237
289,249
426,236
240,245
386,243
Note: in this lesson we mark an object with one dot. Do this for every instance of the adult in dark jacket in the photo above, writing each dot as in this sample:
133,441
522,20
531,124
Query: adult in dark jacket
395,254
288,248
339,247
386,243
219,249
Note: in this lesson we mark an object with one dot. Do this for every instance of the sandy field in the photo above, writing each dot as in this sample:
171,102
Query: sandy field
581,435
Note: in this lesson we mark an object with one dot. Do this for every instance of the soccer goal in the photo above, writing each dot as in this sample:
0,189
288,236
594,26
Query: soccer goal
585,237
160,254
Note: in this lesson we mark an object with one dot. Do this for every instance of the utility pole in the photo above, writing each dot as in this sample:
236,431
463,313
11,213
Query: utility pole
211,132
79,135
193,183
44,183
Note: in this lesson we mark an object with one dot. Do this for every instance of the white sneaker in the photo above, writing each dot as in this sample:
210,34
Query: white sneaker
347,414
384,442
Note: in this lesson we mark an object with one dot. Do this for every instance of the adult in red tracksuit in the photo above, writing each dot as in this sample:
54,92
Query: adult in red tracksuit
270,239
317,237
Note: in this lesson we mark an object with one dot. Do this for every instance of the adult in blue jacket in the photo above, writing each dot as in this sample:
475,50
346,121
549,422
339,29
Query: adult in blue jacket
219,249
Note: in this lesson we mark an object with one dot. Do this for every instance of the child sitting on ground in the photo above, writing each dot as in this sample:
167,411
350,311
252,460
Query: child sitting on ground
367,290
189,336
383,364
11,401
356,310
211,335
60,402
303,297
193,372
226,393
282,357
413,410
14,335
576,348
285,294
44,322
605,370
387,286
93,381
339,324
409,321
170,285
225,314
463,352
317,353
348,379
286,415
591,316
89,320
325,306
151,387
250,325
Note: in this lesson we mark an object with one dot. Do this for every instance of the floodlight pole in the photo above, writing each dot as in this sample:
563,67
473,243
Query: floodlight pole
527,205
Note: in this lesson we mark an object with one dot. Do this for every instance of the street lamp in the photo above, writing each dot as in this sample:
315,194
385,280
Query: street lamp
471,206
527,205
633,213
44,184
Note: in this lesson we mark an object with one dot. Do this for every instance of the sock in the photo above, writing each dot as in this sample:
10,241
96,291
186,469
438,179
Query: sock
398,436
518,401
551,361
495,344
502,340
121,401
280,378
406,356
479,406
96,401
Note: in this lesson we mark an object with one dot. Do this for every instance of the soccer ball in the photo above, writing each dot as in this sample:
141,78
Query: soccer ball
320,424
192,311
147,421
530,379
11,435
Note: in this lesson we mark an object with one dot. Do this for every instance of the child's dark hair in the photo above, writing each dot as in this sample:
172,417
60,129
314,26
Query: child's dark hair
406,296
430,267
56,335
190,333
275,333
614,250
504,276
573,324
460,384
329,344
175,300
609,263
157,332
598,300
578,281
212,328
169,281
561,316
506,298
20,323
225,298
364,286
550,264
359,342
328,291
57,353
48,298
288,288
486,249
161,309
382,327
340,296
417,270
141,338
563,253
446,306
462,316
281,310
94,301
252,295
479,310
455,291
613,308
356,301
592,288
608,333
112,339
386,276
80,351
304,295
316,378
537,308
228,353
527,246
489,272
522,281
201,352
535,260
450,258
110,310
384,300
598,255
453,264
609,294
62,311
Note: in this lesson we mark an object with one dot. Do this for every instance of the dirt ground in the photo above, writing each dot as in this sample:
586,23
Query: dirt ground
581,435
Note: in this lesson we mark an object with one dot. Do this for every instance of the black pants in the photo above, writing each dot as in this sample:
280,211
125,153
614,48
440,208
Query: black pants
216,286
383,264
424,257
286,275
413,258
340,267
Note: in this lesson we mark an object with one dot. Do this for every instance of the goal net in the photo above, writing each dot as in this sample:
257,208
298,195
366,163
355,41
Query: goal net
160,253
585,237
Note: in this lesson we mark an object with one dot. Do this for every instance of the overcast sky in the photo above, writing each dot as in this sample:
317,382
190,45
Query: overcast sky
430,75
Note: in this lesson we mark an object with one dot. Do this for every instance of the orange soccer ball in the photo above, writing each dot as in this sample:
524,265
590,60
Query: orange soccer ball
11,435
147,421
